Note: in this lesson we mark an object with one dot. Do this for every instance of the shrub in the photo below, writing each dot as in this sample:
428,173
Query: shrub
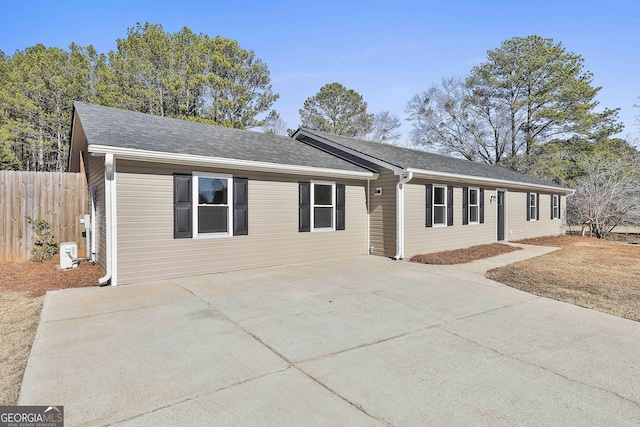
45,243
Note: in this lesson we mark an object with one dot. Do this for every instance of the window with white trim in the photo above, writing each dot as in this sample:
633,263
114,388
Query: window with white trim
533,208
323,205
555,206
474,206
212,196
439,205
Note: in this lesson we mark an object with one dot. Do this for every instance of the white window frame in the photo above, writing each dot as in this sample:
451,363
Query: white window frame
476,205
555,206
533,206
313,206
433,206
195,192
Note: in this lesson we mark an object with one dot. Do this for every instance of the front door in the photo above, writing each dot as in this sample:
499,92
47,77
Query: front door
501,221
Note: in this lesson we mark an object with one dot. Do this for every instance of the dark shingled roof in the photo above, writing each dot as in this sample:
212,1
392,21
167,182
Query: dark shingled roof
407,158
114,127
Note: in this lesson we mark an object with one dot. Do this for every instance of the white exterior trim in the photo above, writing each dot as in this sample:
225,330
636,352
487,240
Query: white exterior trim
109,220
400,215
477,205
470,178
92,250
368,216
433,205
396,169
114,228
195,186
536,197
312,206
249,165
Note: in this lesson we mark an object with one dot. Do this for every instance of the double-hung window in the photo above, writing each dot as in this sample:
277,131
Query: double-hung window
212,194
439,205
323,199
555,206
532,206
474,205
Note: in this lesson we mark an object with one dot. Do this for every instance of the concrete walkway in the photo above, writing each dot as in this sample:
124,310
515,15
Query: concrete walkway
359,341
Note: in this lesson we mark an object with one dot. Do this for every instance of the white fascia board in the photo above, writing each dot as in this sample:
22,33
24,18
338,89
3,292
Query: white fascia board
481,180
396,169
250,165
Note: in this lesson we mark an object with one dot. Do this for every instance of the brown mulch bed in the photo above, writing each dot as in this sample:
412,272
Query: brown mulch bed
461,256
589,272
39,277
22,289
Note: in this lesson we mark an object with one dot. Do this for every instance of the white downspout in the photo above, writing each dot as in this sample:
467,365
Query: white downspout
92,253
108,214
368,217
400,216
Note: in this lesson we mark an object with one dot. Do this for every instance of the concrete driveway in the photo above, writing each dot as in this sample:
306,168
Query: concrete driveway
359,341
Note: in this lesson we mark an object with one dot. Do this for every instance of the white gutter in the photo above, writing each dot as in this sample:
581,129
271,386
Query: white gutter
400,215
108,181
173,158
499,182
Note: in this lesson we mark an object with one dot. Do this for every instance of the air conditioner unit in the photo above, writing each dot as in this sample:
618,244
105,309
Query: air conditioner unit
66,249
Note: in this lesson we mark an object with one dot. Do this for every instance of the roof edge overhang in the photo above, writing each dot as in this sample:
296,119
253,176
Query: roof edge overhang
397,170
205,161
421,173
73,150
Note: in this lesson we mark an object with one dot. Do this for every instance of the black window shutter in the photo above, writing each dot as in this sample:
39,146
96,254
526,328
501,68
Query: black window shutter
240,206
304,214
538,206
465,205
449,206
340,206
481,206
182,217
552,196
528,206
429,204
559,210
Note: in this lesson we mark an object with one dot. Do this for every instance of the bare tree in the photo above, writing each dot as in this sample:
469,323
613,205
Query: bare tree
455,120
385,126
607,194
274,124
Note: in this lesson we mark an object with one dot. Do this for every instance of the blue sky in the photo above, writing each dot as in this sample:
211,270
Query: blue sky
387,51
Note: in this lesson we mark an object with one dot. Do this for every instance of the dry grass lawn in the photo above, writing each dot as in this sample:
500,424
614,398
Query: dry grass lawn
461,256
20,317
22,289
598,274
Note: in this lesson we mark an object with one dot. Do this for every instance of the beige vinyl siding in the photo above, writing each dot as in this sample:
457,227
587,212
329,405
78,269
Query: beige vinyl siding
419,239
147,250
519,228
383,214
95,176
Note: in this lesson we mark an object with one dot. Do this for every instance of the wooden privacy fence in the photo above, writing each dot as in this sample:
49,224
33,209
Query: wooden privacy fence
57,197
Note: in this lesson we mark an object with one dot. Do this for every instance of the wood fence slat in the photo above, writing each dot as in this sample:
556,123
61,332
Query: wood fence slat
57,197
